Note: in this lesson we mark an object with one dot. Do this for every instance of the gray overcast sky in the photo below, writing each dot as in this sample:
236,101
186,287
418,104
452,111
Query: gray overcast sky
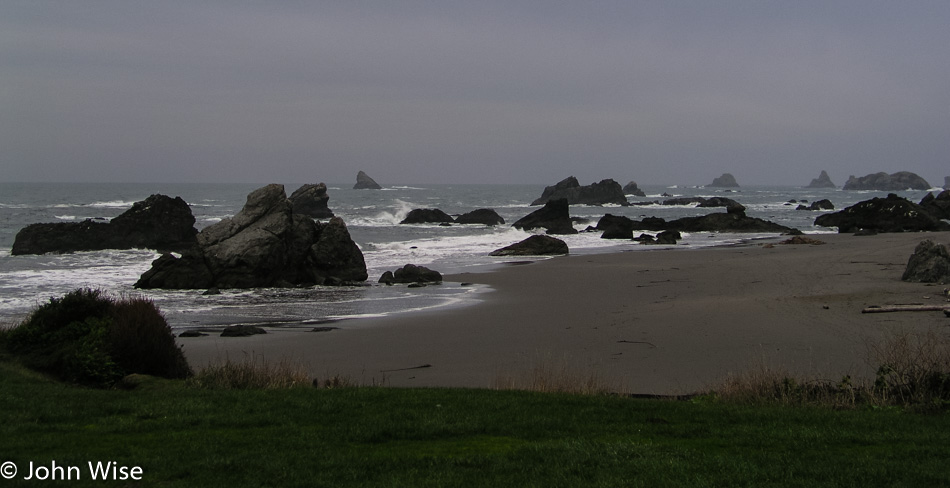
485,91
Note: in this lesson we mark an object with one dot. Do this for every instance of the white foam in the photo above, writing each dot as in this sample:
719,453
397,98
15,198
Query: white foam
384,218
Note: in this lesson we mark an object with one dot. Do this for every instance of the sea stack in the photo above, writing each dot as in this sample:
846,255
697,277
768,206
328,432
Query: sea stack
725,181
364,182
823,181
900,181
632,189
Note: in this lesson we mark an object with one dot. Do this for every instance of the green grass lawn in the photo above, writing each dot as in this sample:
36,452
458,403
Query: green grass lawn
183,436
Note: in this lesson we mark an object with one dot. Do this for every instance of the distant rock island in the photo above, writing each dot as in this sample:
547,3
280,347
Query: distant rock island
605,192
632,189
822,181
725,181
902,180
364,182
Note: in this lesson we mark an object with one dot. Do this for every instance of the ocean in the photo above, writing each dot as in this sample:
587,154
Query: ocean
372,217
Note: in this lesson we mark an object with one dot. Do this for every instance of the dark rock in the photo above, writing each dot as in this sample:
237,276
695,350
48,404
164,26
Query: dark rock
212,291
364,182
731,221
536,245
158,222
616,227
265,244
411,273
417,285
823,204
387,278
311,200
930,263
725,181
170,272
242,331
192,333
427,216
823,181
938,206
632,189
720,202
891,214
645,239
668,237
554,216
485,216
683,201
605,192
324,329
902,180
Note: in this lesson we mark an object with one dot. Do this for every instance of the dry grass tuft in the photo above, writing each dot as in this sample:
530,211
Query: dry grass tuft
254,373
549,375
913,370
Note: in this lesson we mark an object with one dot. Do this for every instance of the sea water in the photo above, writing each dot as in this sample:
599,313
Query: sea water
372,217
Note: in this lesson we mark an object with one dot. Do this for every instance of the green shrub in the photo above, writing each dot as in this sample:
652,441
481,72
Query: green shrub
89,338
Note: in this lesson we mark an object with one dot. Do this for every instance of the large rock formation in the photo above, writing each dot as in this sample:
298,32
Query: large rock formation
725,181
264,245
902,180
891,214
733,220
605,192
930,263
554,217
822,181
938,206
484,216
427,216
158,222
312,200
534,246
632,189
364,182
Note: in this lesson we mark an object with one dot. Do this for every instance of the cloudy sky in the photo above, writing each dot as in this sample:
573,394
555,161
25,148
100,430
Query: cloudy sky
666,91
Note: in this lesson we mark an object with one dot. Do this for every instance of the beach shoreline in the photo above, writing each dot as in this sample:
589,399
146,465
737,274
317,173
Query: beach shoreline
663,322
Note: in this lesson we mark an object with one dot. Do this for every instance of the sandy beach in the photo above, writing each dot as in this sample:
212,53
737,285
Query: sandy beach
652,322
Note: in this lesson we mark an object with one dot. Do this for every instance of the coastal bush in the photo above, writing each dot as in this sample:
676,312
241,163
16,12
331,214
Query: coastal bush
90,338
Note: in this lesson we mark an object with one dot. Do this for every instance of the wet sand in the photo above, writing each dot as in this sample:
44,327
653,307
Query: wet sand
652,322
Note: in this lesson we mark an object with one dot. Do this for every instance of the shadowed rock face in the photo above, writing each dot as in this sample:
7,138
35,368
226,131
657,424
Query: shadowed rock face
632,189
554,217
899,181
364,182
158,222
930,263
604,192
312,200
427,216
823,181
534,246
484,216
265,244
725,181
891,214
